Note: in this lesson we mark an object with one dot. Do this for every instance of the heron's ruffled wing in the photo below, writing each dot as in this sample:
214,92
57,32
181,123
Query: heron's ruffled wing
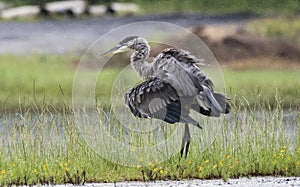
180,69
154,98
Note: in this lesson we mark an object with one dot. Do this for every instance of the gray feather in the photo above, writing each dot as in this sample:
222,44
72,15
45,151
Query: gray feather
210,101
173,84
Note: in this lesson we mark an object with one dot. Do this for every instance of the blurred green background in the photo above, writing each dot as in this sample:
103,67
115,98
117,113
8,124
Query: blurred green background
259,56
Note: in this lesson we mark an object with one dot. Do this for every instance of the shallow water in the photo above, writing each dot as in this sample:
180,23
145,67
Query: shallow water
287,122
76,35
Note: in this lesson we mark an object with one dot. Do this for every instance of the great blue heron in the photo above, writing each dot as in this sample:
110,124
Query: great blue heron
173,85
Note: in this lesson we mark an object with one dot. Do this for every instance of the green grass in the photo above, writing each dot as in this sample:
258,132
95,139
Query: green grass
219,6
46,82
41,152
264,87
200,6
33,79
42,81
40,142
286,28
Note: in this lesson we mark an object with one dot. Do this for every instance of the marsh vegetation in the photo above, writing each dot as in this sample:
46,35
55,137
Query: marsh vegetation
40,141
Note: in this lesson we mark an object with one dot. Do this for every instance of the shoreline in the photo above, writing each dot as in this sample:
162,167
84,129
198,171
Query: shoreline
244,181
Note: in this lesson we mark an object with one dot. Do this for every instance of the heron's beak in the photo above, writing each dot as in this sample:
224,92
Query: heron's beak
115,50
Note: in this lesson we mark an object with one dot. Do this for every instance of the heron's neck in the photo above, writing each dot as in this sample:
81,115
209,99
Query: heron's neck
138,60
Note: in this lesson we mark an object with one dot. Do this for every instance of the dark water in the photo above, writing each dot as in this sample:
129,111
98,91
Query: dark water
76,35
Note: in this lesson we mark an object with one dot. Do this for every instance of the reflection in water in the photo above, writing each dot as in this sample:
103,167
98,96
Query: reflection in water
54,132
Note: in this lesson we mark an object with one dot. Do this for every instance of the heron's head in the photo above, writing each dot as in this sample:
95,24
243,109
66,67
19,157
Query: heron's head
128,43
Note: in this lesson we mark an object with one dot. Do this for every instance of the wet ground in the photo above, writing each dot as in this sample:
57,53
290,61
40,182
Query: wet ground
242,182
76,35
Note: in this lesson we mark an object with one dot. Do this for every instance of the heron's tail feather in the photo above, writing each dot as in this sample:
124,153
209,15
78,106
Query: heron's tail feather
216,103
223,102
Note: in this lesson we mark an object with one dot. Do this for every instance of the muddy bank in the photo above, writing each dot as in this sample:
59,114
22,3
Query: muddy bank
233,42
242,182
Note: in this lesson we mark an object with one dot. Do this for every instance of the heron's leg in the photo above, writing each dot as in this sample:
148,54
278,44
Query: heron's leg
185,141
188,139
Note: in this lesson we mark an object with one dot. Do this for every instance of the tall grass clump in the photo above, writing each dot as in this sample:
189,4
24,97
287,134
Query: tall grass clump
47,147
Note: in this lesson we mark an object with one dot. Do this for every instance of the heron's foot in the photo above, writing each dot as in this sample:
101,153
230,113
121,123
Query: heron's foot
185,145
185,149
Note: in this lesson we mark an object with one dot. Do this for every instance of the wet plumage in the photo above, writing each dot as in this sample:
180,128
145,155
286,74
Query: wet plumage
173,85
